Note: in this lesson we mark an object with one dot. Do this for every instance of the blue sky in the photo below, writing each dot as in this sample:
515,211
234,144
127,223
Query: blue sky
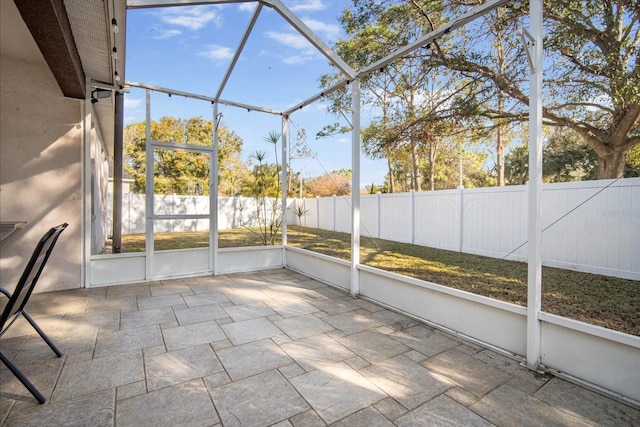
189,49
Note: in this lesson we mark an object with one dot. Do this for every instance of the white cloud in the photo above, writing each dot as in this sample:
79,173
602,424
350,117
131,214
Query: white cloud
193,18
167,34
217,53
297,59
295,41
308,6
247,7
330,30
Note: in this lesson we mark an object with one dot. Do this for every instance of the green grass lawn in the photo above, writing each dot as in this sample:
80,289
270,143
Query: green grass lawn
601,300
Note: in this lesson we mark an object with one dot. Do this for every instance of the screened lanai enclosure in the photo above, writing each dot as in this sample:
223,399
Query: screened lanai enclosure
223,100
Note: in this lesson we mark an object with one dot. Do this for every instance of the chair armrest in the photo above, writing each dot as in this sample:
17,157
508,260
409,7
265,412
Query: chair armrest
6,292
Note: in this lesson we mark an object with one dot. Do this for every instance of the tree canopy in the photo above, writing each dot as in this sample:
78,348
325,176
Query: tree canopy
477,78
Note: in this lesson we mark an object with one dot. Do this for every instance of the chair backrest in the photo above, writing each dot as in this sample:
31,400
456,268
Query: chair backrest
31,274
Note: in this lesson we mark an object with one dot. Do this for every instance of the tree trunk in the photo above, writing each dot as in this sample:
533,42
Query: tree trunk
415,166
391,177
500,146
611,166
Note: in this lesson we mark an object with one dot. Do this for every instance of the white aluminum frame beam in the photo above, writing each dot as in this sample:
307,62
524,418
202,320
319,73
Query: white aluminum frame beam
534,264
139,4
462,20
239,50
203,98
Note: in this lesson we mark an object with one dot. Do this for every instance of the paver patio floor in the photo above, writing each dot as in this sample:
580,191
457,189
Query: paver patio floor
270,348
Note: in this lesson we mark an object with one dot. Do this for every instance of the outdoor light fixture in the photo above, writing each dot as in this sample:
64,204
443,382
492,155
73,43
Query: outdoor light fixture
114,25
114,53
98,94
116,76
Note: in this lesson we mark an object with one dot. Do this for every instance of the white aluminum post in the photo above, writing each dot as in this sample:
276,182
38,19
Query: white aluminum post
355,187
213,196
534,283
85,188
285,167
149,190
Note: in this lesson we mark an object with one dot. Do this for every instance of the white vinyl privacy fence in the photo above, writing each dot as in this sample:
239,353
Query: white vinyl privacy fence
591,226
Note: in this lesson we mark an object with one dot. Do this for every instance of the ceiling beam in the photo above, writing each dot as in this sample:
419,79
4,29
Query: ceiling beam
134,4
49,25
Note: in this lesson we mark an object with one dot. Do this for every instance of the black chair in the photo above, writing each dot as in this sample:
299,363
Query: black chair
20,297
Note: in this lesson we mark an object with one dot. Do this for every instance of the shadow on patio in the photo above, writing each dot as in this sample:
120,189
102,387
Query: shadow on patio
268,348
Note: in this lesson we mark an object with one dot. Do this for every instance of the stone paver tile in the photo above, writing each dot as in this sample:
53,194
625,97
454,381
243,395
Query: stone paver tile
303,326
81,340
186,404
366,417
406,381
351,323
425,340
129,390
336,391
83,378
171,289
442,411
307,419
189,335
199,314
333,307
472,374
509,406
313,352
216,380
588,405
43,374
462,396
248,311
250,330
124,303
180,366
390,408
160,301
291,308
140,290
205,299
292,370
512,367
393,319
94,410
369,306
136,319
372,345
328,292
127,340
252,358
260,400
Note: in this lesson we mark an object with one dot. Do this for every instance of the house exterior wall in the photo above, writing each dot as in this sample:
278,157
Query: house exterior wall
40,172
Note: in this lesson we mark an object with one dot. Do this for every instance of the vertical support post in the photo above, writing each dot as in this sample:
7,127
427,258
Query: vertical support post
85,188
335,216
213,196
379,215
148,191
355,187
118,147
318,211
461,188
285,168
534,282
413,216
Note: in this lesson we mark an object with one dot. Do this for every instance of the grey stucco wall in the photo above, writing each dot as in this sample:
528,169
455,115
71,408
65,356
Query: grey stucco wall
40,172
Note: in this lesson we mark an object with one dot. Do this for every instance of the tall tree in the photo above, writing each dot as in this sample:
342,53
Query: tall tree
592,73
176,171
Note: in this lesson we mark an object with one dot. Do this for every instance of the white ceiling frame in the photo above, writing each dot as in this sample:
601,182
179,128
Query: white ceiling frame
239,49
203,98
139,4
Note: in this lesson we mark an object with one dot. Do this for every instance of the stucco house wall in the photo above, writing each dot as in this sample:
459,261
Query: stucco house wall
40,172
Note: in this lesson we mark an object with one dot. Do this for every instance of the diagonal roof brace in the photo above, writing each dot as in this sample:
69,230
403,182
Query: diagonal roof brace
306,32
239,50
